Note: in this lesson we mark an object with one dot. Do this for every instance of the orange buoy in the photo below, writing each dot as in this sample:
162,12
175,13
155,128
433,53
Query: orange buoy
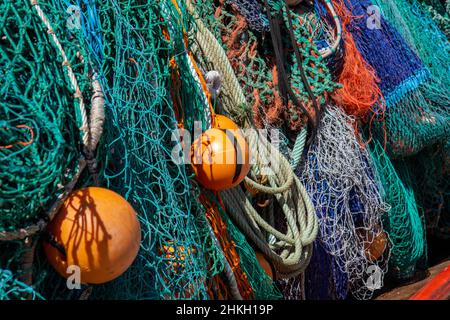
98,231
220,156
224,123
374,244
267,267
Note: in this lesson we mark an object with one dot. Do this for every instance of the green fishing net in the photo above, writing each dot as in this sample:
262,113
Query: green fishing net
403,222
432,187
39,121
13,289
129,56
138,152
440,13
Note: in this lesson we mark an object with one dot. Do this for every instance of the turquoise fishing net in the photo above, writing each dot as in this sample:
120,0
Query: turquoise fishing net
403,222
36,107
122,45
138,155
440,13
432,188
13,289
263,286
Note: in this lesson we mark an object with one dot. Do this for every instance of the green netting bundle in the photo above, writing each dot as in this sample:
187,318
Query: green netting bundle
39,117
403,222
440,13
134,74
432,187
263,287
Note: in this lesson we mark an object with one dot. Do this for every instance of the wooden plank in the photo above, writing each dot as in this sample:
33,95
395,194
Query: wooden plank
407,291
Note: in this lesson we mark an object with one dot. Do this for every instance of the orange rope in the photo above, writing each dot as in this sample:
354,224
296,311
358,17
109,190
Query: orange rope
228,247
21,142
360,91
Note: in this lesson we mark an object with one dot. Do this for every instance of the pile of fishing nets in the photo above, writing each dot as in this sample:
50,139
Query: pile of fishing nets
116,116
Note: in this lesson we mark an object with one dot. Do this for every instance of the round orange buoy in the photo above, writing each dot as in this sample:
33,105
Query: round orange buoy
374,244
220,156
264,264
98,231
224,123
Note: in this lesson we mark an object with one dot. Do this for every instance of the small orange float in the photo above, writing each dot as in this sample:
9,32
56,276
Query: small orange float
98,231
220,156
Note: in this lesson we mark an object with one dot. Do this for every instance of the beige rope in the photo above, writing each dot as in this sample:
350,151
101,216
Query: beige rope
290,252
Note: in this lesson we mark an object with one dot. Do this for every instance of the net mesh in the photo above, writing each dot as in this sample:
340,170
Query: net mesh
416,114
39,125
403,222
347,196
130,47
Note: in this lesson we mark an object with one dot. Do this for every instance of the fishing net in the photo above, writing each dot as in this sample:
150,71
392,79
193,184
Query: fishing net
173,260
440,13
416,27
254,63
347,195
236,107
432,188
13,289
429,167
359,92
39,114
260,282
41,132
416,115
403,222
130,59
241,47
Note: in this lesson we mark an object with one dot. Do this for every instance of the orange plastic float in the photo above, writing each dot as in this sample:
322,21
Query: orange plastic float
220,156
224,123
99,232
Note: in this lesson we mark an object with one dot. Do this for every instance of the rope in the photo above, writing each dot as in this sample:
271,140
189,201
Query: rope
209,44
292,250
73,80
228,270
297,150
326,52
